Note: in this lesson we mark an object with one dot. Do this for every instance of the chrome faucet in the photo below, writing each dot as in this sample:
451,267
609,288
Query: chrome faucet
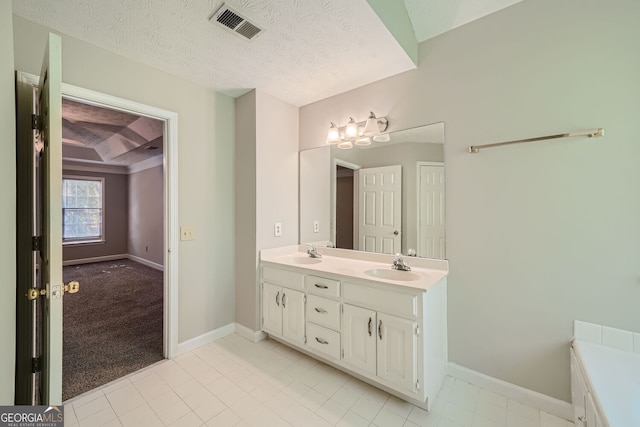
398,264
313,252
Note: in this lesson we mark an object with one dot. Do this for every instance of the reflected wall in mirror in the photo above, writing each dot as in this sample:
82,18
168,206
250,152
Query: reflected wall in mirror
386,197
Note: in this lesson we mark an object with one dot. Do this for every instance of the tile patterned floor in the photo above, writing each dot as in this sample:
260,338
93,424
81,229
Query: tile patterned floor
233,382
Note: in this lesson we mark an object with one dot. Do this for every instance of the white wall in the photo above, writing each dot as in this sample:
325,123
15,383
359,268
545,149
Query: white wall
7,209
267,190
537,234
246,253
206,164
145,237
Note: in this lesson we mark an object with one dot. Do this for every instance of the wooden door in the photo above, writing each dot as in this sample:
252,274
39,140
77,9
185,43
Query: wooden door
380,209
397,351
50,117
431,219
359,337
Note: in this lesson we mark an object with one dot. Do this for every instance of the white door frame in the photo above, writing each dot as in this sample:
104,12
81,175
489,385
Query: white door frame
170,177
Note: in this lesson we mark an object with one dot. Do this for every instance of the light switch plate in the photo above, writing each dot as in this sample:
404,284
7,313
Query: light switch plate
316,226
186,233
277,229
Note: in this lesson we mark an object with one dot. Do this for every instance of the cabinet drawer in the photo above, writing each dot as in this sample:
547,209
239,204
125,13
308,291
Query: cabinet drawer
286,278
322,286
323,311
405,305
323,340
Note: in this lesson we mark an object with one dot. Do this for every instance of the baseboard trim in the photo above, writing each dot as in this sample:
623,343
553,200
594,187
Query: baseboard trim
207,338
94,259
554,406
146,262
248,333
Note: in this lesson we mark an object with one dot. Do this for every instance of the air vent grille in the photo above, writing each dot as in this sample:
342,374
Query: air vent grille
229,19
248,30
234,21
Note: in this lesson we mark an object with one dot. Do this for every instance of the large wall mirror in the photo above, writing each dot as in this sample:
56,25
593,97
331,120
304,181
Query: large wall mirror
385,197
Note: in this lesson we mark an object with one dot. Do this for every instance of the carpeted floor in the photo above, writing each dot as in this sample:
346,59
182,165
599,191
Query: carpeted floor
112,326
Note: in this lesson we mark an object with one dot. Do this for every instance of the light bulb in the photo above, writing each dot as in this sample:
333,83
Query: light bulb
351,131
345,145
364,141
333,137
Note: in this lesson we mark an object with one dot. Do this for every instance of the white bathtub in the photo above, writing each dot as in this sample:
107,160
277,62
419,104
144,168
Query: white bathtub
612,381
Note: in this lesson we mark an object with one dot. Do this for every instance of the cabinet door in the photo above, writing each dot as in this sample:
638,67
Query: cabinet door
359,337
272,309
397,351
293,315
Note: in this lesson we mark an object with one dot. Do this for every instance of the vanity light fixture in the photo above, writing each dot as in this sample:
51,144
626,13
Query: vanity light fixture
358,132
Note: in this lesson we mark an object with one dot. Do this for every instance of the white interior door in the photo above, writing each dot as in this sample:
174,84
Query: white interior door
431,221
50,117
380,209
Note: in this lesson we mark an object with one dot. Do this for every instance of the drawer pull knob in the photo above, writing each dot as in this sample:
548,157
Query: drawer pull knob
321,310
369,326
317,285
322,340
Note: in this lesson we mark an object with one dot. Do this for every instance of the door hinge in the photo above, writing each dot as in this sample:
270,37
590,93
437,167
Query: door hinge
304,299
36,243
36,364
417,384
342,308
305,339
418,330
342,354
35,122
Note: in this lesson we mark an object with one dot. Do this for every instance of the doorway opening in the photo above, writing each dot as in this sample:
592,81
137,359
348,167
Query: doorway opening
345,219
113,244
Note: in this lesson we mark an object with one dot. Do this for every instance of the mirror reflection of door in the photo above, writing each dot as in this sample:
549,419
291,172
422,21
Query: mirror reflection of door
380,209
431,219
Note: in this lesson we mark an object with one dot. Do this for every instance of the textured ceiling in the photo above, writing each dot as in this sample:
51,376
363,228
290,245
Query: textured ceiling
102,135
434,17
309,50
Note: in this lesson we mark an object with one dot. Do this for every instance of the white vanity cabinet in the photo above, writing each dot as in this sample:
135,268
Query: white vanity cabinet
386,333
283,305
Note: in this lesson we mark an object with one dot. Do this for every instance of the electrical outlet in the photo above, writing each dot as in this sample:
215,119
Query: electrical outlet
316,226
277,229
186,233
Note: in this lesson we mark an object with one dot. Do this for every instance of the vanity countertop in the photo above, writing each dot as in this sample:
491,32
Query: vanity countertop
425,273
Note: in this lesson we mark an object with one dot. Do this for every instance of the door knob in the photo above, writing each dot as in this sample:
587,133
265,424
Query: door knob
35,293
396,232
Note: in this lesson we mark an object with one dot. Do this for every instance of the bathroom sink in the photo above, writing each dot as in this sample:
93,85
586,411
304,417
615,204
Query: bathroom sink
302,259
405,276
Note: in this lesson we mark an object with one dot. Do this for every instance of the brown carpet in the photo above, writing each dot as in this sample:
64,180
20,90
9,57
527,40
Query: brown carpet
112,326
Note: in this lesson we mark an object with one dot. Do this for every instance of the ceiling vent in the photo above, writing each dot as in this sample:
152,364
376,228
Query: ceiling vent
234,21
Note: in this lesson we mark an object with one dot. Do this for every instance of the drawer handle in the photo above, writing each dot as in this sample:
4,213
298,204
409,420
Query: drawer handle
321,310
380,329
284,306
317,285
278,299
322,340
369,326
